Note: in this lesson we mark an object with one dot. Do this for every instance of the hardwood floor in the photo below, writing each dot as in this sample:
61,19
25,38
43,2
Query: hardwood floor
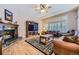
20,47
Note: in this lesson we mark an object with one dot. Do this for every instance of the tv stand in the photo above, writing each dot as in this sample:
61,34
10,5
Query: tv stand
31,28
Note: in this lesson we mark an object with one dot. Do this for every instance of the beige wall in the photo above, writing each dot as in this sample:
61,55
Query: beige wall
72,20
69,16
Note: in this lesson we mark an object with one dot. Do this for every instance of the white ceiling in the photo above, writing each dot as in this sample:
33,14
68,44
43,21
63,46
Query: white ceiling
28,10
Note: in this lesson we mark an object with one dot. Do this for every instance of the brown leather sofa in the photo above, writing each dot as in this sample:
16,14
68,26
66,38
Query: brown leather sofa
65,48
54,33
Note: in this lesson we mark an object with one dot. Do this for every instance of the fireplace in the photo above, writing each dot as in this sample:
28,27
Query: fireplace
8,32
8,37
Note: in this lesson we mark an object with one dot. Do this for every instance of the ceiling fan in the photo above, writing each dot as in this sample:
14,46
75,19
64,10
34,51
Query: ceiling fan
42,7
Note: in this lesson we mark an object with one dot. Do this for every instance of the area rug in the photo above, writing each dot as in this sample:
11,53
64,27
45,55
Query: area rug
46,49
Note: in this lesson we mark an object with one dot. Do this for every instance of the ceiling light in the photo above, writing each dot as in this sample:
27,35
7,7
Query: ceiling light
42,7
42,10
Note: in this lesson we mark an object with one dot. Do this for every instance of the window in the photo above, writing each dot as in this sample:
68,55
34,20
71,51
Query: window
58,25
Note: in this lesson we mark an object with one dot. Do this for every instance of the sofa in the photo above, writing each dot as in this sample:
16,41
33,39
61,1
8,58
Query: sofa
54,33
65,48
59,33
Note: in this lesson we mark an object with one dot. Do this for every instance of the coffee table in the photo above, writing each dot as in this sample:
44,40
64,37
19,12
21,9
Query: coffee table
46,38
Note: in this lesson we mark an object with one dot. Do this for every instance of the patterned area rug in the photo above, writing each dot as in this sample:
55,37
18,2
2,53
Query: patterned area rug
46,49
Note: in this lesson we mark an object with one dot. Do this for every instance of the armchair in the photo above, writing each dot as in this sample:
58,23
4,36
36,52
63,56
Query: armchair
65,48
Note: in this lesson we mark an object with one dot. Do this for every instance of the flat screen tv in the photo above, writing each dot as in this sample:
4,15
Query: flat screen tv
31,27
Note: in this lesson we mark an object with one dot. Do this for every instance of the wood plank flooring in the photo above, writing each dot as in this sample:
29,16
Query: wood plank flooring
20,47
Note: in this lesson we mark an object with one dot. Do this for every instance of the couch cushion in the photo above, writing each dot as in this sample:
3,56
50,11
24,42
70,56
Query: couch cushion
71,39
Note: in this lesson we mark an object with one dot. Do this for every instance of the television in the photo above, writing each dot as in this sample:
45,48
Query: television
33,27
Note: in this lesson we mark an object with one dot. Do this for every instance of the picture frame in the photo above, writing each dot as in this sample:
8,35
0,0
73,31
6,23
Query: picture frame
8,15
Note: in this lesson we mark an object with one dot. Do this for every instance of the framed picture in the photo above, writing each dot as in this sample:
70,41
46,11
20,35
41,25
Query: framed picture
8,15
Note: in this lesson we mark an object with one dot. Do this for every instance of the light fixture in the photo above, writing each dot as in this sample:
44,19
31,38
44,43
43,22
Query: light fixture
42,7
43,10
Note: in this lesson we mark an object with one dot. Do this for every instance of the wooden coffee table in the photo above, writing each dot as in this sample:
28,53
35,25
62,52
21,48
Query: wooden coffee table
46,38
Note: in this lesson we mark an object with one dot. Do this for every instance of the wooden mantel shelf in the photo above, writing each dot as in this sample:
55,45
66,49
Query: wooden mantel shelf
8,23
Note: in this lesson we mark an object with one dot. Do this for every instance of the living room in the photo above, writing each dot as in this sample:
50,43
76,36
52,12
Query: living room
37,31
